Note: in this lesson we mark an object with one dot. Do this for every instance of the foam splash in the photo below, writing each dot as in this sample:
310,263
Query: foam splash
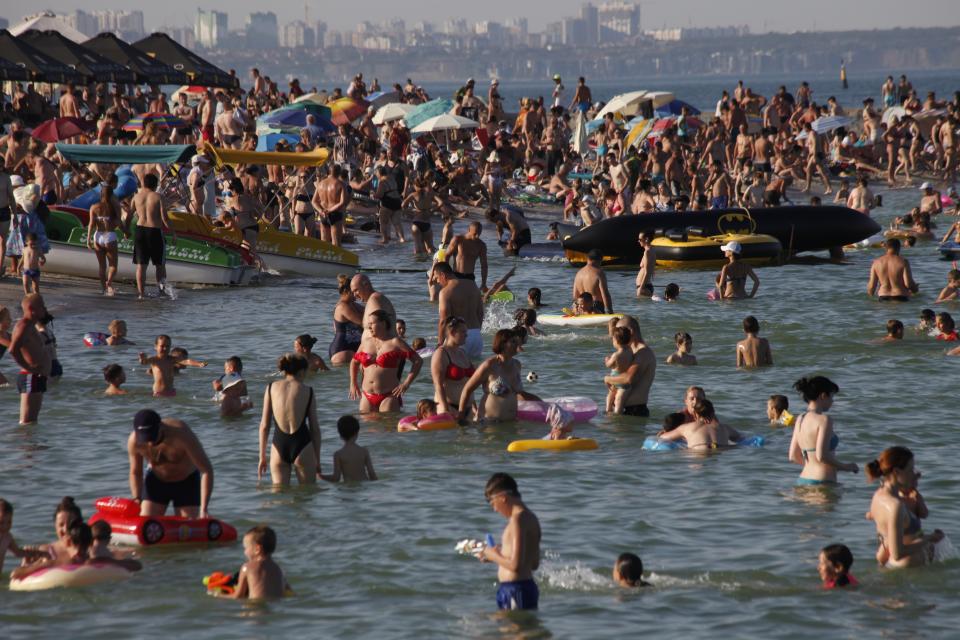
944,550
497,316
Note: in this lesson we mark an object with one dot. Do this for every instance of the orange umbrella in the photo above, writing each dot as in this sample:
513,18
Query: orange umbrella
346,110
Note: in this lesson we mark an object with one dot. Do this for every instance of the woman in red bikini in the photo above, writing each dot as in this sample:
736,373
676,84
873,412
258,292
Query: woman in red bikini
380,357
451,367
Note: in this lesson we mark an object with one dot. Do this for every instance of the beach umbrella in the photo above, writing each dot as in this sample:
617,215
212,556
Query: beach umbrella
314,98
427,110
72,54
161,120
346,110
268,141
147,69
59,129
444,122
11,71
625,103
639,129
392,111
675,108
579,138
381,98
160,46
39,65
826,124
287,118
893,112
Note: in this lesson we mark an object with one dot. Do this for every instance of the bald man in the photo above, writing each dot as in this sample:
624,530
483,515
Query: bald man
362,289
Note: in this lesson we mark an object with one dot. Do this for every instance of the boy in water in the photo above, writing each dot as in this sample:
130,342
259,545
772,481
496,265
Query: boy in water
834,566
777,413
260,577
162,367
894,331
628,571
7,543
118,333
952,290
928,321
32,259
182,357
753,351
352,462
618,362
518,555
231,388
115,376
401,328
101,532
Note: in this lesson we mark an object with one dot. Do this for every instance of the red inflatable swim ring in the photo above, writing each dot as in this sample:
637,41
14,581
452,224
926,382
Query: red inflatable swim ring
129,527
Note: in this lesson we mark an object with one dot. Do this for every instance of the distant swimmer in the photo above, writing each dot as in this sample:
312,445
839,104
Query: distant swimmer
890,276
753,351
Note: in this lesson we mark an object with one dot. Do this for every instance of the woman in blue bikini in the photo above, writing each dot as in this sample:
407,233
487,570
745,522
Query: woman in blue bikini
814,442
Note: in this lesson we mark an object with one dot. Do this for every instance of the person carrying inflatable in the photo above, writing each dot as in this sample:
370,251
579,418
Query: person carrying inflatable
179,470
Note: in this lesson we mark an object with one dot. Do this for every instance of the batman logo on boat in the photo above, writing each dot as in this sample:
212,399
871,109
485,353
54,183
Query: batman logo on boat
736,224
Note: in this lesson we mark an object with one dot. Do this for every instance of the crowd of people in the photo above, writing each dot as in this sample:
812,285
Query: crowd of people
749,154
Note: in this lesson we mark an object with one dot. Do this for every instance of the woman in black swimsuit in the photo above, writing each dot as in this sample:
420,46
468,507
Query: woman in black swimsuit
347,326
290,405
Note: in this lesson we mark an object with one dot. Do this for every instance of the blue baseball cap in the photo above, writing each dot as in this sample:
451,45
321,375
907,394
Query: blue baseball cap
146,424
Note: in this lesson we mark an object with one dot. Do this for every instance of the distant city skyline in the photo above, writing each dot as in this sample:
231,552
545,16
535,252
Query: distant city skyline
759,15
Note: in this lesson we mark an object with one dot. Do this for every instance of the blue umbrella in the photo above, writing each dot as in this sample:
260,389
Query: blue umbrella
427,110
295,118
268,141
673,108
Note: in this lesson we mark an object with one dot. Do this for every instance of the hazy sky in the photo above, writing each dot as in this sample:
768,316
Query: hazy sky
760,15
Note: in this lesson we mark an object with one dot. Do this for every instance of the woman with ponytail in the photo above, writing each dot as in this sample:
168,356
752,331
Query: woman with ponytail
814,442
899,542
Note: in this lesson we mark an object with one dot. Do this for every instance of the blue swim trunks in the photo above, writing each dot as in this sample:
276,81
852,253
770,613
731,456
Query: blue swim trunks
810,482
521,594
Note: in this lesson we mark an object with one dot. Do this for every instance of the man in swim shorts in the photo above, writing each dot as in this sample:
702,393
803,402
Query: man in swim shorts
148,242
179,470
519,229
460,298
465,250
27,349
639,375
581,97
592,279
890,276
518,554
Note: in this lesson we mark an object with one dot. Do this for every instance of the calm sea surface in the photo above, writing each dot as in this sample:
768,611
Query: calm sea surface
730,546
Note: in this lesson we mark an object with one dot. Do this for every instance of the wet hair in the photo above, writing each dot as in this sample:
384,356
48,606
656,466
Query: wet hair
501,483
894,326
525,317
348,427
418,343
534,294
236,362
947,321
890,460
425,405
68,506
306,341
839,555
501,338
101,531
780,403
928,315
264,537
80,535
112,372
704,409
150,181
682,336
671,292
116,325
292,363
585,297
5,507
630,568
812,388
673,420
622,336
751,325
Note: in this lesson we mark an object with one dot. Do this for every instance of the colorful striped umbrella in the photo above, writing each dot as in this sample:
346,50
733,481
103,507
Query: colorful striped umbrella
161,120
346,110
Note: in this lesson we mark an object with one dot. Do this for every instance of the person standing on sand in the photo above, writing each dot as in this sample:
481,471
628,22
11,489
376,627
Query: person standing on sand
26,348
148,242
890,276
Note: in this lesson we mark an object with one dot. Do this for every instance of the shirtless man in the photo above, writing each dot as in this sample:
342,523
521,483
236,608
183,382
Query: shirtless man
330,201
363,290
465,250
27,350
163,367
753,351
18,145
518,554
762,154
227,127
259,83
184,134
582,98
519,229
705,431
648,264
930,201
815,158
179,470
743,147
639,375
861,198
148,242
720,187
45,176
69,105
207,113
460,298
592,279
890,275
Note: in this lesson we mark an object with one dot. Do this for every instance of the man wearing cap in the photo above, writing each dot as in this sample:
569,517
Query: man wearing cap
459,298
930,201
592,279
890,275
179,470
558,90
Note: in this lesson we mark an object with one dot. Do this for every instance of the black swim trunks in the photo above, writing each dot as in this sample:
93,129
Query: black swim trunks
31,383
183,493
465,276
894,298
638,410
523,237
331,218
149,246
422,226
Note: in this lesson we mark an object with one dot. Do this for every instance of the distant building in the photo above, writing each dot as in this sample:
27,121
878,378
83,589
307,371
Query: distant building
126,24
573,32
693,33
591,19
210,29
297,35
320,33
261,29
85,23
181,35
618,20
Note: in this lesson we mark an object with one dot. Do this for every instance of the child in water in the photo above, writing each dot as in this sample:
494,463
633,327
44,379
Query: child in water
426,408
628,571
947,327
402,328
260,577
114,376
671,292
231,389
102,532
618,362
533,298
894,331
753,351
928,321
182,357
351,462
32,259
7,543
418,343
834,566
527,320
673,420
118,333
777,413
162,367
951,291
682,355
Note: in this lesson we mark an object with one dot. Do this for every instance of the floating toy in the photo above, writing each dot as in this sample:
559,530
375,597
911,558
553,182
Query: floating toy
438,422
129,527
583,320
536,410
653,443
70,575
572,444
95,339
